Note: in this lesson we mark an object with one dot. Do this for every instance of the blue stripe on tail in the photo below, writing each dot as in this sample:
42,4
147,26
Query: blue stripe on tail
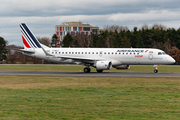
31,35
26,36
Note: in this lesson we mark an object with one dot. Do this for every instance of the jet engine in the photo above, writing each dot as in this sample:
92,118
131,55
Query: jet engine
122,67
103,65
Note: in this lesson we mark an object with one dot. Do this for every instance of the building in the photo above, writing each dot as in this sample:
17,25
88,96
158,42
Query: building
74,28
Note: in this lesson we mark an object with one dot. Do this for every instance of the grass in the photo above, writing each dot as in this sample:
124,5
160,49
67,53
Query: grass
48,98
133,68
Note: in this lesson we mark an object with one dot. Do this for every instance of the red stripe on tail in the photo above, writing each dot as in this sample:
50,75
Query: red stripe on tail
25,43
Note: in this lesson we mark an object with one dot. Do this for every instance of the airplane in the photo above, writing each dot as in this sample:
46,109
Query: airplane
99,58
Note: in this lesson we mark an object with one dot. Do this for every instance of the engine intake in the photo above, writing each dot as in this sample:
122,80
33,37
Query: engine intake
103,65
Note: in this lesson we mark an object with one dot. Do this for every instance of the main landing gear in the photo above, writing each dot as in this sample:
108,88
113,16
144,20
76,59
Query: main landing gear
155,68
87,70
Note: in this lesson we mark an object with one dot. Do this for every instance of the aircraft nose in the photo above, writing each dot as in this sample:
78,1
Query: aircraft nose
171,60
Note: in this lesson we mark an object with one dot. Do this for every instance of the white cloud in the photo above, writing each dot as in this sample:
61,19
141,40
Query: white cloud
153,15
79,7
42,15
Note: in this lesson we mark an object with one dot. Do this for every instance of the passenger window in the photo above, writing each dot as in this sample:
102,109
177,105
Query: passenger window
92,52
119,53
126,53
89,53
97,53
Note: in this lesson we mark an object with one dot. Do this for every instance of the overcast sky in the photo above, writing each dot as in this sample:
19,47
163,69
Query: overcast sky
42,15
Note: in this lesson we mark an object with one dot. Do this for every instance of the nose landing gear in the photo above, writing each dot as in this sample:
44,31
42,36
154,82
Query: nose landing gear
155,68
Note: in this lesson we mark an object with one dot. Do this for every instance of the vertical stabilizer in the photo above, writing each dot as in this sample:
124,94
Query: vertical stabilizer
29,40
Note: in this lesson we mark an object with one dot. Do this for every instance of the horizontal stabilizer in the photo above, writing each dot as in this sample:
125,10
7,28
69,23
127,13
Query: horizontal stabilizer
21,50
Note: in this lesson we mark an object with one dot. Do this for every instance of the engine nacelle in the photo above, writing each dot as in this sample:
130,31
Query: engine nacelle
103,65
122,67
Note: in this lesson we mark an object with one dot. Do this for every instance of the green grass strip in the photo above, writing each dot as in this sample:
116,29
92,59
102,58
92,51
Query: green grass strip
133,68
48,98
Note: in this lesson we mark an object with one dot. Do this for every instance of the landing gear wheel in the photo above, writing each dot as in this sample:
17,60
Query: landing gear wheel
155,68
99,71
155,71
87,70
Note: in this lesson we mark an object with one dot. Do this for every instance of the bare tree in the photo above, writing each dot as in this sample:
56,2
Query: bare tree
84,40
159,27
175,53
145,27
109,40
114,28
158,45
44,40
167,46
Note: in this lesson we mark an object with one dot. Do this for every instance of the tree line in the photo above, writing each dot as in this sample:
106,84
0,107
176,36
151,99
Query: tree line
157,36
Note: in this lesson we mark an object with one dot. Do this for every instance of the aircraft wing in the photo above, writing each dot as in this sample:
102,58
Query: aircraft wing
80,58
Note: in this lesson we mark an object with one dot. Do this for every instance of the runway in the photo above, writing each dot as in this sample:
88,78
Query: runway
92,74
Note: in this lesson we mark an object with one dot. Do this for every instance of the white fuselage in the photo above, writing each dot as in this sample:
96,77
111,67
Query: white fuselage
100,58
117,56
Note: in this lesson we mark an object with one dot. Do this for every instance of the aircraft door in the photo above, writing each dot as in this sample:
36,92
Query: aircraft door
150,55
100,53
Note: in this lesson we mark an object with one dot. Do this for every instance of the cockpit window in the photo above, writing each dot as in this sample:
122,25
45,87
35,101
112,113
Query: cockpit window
162,53
159,53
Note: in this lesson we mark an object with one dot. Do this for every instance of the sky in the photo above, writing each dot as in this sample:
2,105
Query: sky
42,15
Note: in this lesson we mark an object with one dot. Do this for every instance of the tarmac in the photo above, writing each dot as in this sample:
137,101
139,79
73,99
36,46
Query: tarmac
92,74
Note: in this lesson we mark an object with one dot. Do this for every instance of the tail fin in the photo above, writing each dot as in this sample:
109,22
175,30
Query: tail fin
29,40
